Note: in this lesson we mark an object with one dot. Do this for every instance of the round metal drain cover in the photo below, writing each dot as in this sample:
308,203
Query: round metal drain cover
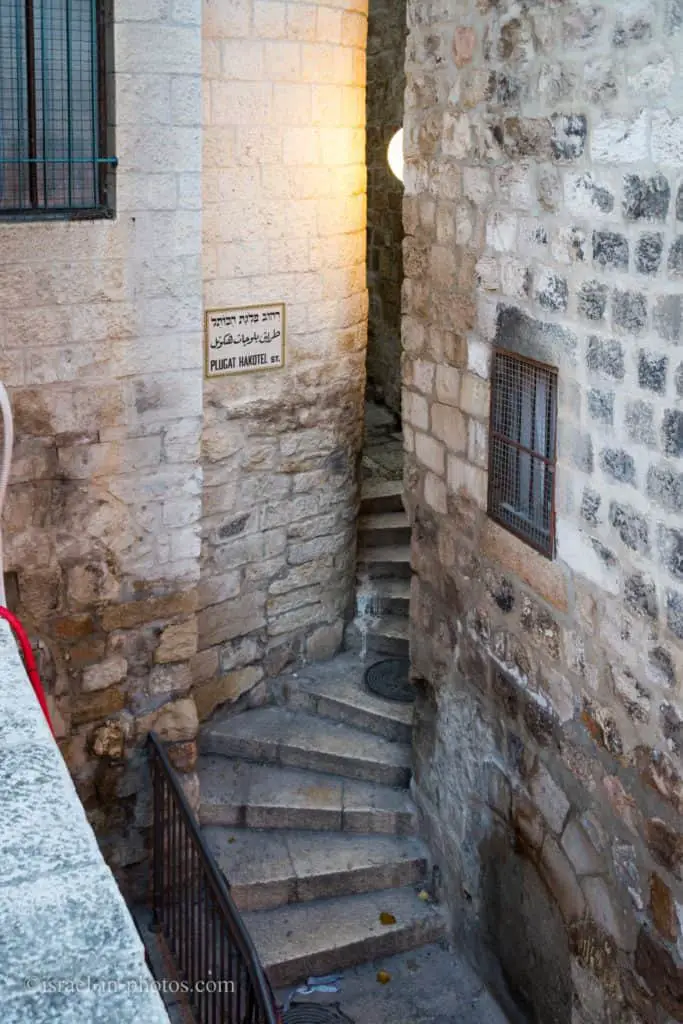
389,679
314,1013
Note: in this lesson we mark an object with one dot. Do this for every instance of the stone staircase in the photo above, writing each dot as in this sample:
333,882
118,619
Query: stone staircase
383,572
304,804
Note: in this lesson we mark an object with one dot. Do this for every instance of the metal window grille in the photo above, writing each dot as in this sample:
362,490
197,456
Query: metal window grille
522,449
52,108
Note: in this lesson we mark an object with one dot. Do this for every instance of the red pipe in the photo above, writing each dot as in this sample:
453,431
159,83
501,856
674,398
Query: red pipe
29,661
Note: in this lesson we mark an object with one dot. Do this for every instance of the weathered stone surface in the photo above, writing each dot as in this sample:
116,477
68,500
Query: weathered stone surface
646,198
153,609
324,642
549,798
173,679
602,908
175,723
226,688
659,771
183,756
99,705
178,642
610,250
665,844
592,300
579,848
105,674
542,576
108,740
557,872
656,965
231,619
663,908
527,822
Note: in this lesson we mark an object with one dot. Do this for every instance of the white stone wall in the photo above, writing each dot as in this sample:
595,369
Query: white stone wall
284,221
100,341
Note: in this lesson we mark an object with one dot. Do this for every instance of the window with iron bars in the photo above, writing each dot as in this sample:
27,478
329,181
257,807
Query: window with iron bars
53,119
522,449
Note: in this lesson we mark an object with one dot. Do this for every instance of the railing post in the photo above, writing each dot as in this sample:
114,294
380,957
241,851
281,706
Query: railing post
157,841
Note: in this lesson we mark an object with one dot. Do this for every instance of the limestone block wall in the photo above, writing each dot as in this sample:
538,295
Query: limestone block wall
387,32
100,343
284,221
544,214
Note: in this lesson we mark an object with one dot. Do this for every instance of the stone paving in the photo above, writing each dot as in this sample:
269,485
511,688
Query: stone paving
431,985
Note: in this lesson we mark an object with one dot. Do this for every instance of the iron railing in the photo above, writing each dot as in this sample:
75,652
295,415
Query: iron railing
194,912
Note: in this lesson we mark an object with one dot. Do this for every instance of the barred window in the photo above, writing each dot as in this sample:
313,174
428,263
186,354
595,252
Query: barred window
53,123
522,449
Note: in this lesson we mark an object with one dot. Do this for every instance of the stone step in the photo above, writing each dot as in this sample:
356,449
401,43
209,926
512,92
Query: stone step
383,528
387,634
383,597
381,496
261,796
272,869
391,561
316,938
336,689
430,985
297,740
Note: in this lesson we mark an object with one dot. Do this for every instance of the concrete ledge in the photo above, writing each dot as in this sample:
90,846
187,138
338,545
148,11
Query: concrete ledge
68,946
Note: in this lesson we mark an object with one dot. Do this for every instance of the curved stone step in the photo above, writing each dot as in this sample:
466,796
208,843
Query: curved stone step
392,560
381,496
386,634
272,869
384,528
264,796
328,935
298,740
384,597
336,690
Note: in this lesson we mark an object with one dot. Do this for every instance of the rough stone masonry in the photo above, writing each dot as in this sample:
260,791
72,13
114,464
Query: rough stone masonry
171,542
284,220
544,215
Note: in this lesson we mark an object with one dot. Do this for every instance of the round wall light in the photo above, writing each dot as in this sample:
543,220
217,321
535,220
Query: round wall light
395,154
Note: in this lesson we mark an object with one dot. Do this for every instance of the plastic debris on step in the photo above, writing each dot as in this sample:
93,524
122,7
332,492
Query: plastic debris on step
383,977
309,990
326,983
386,918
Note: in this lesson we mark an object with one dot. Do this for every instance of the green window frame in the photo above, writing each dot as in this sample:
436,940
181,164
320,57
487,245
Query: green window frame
54,127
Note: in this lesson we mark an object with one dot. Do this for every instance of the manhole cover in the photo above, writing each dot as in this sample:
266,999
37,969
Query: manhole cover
389,678
313,1013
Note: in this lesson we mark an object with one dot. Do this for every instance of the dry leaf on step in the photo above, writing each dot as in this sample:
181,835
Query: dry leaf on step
383,977
386,918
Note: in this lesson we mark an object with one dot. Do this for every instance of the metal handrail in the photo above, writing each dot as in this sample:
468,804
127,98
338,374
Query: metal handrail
193,909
